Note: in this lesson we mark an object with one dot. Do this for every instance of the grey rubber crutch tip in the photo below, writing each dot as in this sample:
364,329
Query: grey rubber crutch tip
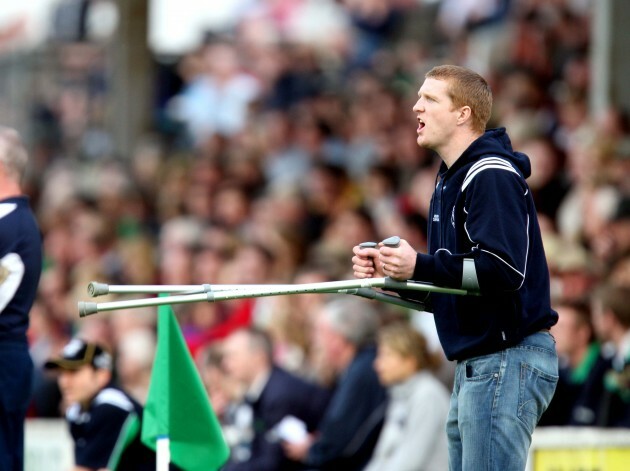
97,289
87,308
393,241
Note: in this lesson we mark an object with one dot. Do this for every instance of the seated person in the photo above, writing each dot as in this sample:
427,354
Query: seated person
582,367
611,313
414,434
104,421
344,332
272,396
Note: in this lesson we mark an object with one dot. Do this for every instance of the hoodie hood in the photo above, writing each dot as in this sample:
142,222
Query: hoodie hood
495,142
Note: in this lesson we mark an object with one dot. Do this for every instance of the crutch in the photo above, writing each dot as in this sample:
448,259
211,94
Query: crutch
213,293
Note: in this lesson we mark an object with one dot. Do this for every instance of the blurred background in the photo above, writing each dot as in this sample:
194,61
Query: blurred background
250,141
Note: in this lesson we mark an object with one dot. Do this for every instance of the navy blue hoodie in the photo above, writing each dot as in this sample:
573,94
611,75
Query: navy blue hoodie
482,209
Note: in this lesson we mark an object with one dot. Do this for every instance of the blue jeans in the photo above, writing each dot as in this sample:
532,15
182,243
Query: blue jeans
496,403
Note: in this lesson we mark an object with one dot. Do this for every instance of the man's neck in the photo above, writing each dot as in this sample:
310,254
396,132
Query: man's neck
257,386
345,357
9,189
456,146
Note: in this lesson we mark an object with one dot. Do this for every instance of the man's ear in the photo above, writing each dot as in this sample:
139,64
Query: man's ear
464,115
103,376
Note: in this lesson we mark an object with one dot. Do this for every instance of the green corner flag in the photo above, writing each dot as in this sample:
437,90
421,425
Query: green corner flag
178,406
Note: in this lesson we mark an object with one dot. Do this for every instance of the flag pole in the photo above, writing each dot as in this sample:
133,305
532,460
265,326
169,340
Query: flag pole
163,453
162,441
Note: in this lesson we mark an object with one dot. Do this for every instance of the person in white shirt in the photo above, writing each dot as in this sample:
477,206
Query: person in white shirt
413,437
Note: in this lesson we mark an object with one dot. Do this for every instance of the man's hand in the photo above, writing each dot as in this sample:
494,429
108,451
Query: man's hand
363,263
399,262
297,451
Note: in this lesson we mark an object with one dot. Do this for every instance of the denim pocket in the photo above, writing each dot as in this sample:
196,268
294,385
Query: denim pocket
483,368
536,388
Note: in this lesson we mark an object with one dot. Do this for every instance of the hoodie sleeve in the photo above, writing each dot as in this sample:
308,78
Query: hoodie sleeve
497,228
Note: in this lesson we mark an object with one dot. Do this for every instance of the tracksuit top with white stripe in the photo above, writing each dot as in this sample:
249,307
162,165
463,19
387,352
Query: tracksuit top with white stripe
20,267
107,433
482,210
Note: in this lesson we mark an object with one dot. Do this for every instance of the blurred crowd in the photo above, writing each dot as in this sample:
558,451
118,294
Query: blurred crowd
284,140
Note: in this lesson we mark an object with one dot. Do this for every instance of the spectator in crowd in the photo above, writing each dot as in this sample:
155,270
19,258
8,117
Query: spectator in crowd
20,269
345,331
611,244
216,99
178,238
252,263
611,315
413,436
582,368
291,328
224,391
104,421
272,396
134,362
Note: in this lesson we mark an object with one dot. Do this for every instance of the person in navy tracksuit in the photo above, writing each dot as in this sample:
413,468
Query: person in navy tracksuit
104,421
483,237
20,269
